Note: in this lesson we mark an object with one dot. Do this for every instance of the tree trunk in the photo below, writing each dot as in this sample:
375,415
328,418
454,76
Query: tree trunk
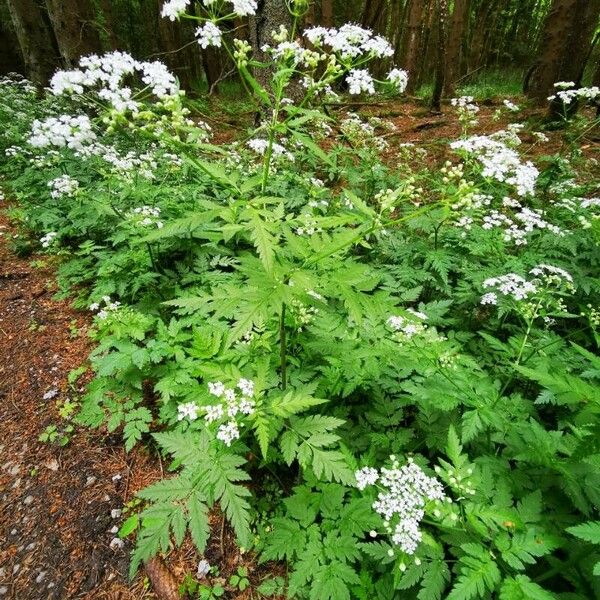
375,17
36,40
327,13
485,16
566,38
441,7
11,59
74,26
271,14
179,51
414,32
458,28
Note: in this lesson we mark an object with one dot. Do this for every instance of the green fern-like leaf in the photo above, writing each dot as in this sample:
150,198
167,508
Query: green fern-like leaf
479,575
590,531
522,588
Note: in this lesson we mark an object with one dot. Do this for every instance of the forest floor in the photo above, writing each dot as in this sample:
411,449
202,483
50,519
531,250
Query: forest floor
56,503
56,525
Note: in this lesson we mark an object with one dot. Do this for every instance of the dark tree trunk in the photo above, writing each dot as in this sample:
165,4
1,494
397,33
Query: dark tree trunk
458,28
485,16
414,32
180,52
566,39
397,25
375,17
327,13
271,14
11,59
441,7
213,68
36,40
74,24
108,33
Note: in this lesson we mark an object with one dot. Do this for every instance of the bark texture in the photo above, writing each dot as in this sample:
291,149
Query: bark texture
271,14
414,31
441,7
35,39
458,28
566,40
74,24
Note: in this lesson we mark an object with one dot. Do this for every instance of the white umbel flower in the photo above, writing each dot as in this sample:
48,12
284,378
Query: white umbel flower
174,8
209,35
399,79
359,81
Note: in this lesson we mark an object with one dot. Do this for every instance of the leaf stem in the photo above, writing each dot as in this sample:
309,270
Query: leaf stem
283,348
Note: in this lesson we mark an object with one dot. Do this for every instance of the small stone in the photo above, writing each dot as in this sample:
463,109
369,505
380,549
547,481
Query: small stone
14,470
28,500
203,569
30,547
16,568
116,544
90,481
50,394
117,477
40,577
115,513
50,585
13,532
114,529
3,590
52,464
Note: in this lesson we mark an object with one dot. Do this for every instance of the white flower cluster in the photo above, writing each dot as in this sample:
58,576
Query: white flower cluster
552,274
260,146
399,79
361,132
466,109
407,327
405,493
146,215
511,284
465,104
188,410
62,186
48,239
173,9
518,288
510,106
359,81
243,8
350,41
105,307
235,402
209,35
567,93
127,165
106,74
500,162
365,477
64,131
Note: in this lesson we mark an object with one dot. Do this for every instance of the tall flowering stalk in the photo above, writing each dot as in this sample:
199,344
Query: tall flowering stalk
312,61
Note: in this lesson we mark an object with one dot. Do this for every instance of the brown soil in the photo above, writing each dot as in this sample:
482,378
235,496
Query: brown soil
56,502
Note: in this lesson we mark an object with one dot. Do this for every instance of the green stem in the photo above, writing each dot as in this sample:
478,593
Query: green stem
283,348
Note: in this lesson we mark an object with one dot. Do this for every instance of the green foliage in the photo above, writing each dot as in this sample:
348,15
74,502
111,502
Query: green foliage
347,291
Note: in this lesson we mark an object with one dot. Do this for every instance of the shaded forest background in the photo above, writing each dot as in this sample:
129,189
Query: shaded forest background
440,42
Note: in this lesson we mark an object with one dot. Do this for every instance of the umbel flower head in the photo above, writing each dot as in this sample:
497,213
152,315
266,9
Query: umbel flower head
405,492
